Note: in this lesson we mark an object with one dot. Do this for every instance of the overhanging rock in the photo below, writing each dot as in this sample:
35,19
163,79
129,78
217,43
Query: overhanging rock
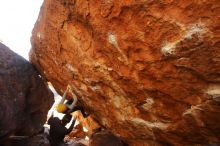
147,70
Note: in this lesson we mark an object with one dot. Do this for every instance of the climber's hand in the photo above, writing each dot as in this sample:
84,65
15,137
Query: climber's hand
68,87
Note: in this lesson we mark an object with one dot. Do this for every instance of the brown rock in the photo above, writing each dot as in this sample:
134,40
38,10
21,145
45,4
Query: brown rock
24,98
38,140
105,138
77,144
147,70
77,132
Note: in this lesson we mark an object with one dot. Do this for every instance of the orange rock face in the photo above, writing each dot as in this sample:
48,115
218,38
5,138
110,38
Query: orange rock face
147,70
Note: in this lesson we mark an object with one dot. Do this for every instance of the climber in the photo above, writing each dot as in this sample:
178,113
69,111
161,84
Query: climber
58,130
70,106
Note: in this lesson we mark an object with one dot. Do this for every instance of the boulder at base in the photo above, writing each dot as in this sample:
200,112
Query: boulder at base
24,98
105,138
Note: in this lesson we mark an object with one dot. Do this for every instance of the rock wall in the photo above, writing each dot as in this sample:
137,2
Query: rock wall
147,70
24,98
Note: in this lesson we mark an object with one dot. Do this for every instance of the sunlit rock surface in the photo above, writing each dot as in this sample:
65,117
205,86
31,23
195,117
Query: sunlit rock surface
24,98
149,71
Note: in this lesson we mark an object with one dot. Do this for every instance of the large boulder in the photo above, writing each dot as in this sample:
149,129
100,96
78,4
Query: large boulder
24,98
149,71
105,138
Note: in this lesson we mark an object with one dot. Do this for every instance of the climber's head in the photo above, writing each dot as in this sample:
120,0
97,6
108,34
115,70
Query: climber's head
66,119
61,108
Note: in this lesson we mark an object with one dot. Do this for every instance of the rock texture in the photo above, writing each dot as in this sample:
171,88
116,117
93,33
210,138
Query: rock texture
147,70
24,98
105,138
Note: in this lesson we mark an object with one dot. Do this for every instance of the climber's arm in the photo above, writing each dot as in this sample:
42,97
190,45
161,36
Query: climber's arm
64,96
71,127
74,99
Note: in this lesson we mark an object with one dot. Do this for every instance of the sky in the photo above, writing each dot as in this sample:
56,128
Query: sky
17,19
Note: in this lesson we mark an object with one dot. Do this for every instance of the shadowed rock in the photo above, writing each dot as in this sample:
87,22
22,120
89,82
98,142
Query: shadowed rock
105,138
24,98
